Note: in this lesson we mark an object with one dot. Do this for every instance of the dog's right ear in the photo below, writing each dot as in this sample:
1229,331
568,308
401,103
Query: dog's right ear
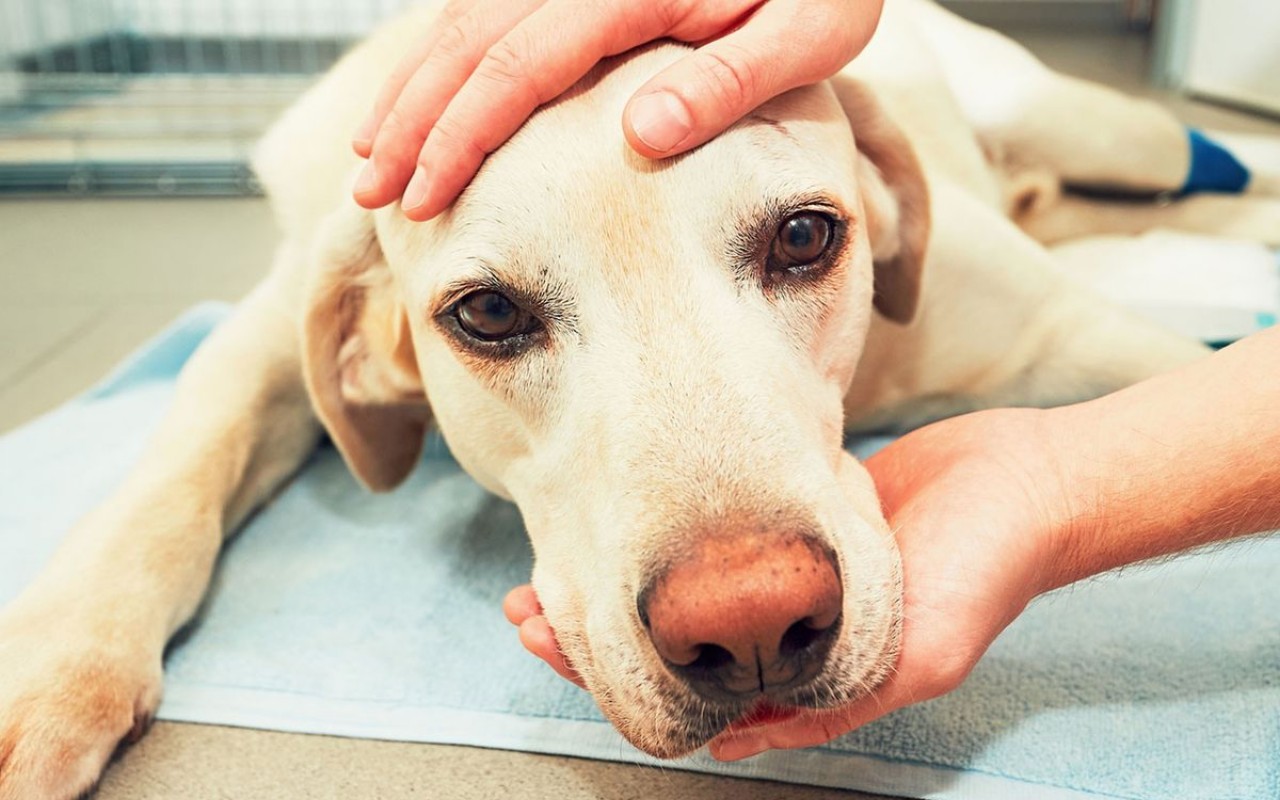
358,360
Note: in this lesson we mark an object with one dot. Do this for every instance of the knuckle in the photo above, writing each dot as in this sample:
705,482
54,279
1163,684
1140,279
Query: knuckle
831,728
828,18
455,40
670,13
947,674
456,8
507,66
448,135
731,76
397,125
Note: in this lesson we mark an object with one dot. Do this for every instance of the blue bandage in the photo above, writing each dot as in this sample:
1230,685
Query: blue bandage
1213,168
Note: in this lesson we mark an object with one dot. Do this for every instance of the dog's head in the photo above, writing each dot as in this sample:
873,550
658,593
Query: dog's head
650,359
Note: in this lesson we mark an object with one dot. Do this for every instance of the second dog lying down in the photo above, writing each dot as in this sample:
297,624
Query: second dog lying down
656,361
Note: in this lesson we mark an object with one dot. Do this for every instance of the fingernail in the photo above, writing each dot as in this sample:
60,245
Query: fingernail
368,179
660,120
416,193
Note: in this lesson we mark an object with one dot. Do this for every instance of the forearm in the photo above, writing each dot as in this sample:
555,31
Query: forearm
1177,461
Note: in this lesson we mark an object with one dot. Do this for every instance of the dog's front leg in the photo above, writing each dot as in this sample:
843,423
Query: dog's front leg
81,648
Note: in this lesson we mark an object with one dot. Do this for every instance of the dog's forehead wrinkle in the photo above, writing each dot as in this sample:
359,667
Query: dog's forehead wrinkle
773,124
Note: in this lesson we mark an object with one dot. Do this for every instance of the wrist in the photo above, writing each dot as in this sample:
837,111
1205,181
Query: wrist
1074,514
1064,500
1035,476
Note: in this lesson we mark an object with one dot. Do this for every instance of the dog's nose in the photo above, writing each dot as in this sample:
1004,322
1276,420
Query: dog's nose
745,614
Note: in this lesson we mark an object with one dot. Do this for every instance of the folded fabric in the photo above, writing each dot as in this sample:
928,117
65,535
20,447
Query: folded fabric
339,612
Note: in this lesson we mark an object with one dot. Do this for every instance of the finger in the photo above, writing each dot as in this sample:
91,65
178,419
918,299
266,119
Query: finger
538,638
520,604
405,69
362,139
414,108
804,730
526,68
704,93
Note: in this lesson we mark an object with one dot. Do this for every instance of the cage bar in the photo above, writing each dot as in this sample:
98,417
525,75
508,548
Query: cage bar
157,96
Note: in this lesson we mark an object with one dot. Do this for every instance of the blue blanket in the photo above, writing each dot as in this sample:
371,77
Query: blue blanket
339,612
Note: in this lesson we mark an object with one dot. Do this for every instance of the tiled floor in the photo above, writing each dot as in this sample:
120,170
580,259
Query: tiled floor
83,282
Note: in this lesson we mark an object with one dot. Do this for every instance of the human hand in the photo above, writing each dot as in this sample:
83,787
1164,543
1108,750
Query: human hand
525,612
977,506
485,65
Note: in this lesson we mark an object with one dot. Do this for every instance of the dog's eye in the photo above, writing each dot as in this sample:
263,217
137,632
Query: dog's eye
492,316
802,239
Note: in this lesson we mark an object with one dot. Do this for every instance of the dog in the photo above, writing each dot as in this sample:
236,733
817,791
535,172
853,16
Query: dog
656,361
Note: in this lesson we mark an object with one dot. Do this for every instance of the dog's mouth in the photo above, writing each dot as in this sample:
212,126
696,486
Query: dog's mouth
764,712
694,731
692,723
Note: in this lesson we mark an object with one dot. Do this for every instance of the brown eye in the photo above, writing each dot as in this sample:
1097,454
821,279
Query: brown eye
802,239
492,316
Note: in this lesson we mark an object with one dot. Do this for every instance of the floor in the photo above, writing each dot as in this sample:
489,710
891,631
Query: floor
83,282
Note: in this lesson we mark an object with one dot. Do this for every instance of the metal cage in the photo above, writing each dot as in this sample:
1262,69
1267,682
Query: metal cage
156,96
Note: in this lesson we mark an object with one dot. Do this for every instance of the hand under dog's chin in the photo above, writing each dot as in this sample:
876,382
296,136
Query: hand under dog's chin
667,721
690,736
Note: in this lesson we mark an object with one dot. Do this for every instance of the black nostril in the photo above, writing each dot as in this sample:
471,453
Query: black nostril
798,637
801,636
711,657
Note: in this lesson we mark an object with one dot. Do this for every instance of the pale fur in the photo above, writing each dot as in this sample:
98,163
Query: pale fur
681,395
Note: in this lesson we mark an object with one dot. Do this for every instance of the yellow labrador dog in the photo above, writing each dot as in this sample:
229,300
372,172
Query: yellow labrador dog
657,361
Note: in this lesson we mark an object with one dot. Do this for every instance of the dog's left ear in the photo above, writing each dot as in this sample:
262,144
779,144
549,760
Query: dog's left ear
358,361
895,200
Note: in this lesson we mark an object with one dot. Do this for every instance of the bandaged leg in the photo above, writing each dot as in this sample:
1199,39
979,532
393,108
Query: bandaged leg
1213,167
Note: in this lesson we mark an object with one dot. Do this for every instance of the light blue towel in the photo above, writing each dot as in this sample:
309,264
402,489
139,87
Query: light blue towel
340,612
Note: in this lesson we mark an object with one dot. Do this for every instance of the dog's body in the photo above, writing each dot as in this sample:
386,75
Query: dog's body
673,395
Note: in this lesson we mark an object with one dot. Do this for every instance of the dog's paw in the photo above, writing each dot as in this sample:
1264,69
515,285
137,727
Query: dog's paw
70,693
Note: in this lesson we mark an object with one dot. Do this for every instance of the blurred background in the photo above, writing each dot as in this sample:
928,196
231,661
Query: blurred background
166,96
156,96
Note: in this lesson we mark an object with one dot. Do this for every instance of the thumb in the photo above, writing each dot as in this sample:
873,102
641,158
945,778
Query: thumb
784,44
